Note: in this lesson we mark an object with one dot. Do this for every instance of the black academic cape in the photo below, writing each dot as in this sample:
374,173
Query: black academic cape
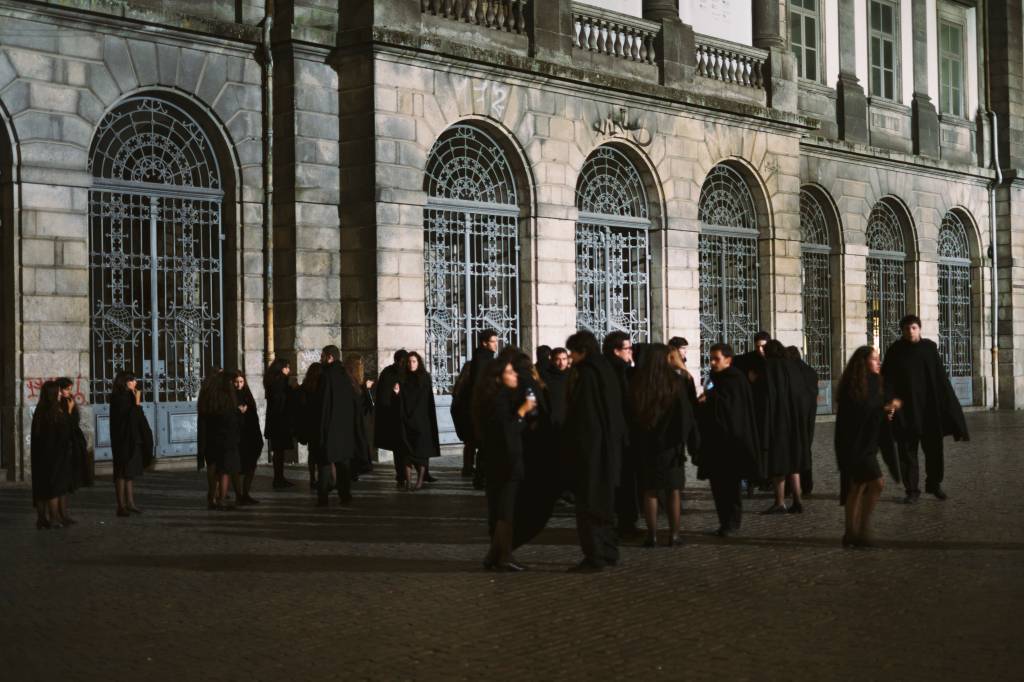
385,424
809,396
502,440
363,461
729,440
341,419
754,367
79,450
279,422
251,440
660,449
310,408
223,440
915,374
465,388
418,420
128,429
50,452
594,435
862,429
541,484
784,438
557,382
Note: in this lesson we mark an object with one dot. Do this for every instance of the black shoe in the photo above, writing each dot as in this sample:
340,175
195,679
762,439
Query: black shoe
796,508
42,524
938,492
911,498
675,541
121,511
511,567
427,478
723,531
651,541
586,566
488,563
312,484
775,509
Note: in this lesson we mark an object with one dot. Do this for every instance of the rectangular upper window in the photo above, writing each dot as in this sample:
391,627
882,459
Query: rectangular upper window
951,68
804,38
883,48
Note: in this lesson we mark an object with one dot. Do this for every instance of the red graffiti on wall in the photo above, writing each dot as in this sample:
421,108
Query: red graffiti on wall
34,384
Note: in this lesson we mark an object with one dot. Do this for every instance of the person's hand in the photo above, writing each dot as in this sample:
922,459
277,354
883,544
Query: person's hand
369,384
396,389
243,408
891,407
527,407
702,398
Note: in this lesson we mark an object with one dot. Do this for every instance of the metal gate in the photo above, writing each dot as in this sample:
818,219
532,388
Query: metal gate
471,249
955,306
156,287
886,277
612,247
729,306
816,288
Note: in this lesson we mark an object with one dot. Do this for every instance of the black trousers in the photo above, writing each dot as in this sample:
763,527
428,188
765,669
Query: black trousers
934,464
598,539
627,506
728,502
342,480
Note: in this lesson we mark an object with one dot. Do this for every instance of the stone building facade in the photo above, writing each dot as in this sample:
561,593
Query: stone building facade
194,184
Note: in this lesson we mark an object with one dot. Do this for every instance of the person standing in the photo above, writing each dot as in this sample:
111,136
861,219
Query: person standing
385,424
278,427
593,439
618,351
339,428
204,456
809,415
362,462
309,416
914,372
681,346
730,448
224,434
785,433
499,416
661,426
250,441
419,438
127,442
50,455
865,408
462,404
557,381
79,446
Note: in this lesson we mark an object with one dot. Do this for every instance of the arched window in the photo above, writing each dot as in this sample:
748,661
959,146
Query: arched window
955,305
470,247
155,263
612,274
729,310
816,285
886,276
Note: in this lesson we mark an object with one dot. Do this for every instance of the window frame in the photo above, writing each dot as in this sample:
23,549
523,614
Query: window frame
958,21
872,33
819,60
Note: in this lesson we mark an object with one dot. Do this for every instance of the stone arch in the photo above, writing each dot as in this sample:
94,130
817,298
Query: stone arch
891,273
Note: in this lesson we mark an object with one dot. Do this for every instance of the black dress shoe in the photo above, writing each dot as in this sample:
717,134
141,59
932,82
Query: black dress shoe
511,567
911,498
427,478
796,508
938,492
121,511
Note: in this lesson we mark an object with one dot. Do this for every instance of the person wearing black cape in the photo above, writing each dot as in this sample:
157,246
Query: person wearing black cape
462,404
250,445
79,446
128,443
385,423
809,400
204,455
661,426
618,350
593,439
913,370
362,462
729,448
279,420
784,438
419,440
309,414
340,428
224,435
865,410
50,454
500,415
752,365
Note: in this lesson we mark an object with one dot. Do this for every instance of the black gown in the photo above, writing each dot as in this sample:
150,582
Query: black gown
660,450
50,453
362,462
862,429
279,418
251,441
464,390
729,443
914,373
785,434
341,421
309,406
542,483
418,421
223,440
385,424
127,435
502,444
79,450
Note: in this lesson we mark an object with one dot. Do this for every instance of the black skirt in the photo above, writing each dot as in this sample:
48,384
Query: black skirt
129,467
861,469
663,470
501,501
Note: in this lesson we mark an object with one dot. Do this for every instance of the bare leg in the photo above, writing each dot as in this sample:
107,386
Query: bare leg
63,510
779,483
236,485
794,486
53,506
675,505
247,484
420,472
872,491
853,502
211,484
119,491
41,520
222,489
129,495
651,514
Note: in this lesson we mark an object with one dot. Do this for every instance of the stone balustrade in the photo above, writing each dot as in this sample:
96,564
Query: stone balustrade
613,34
501,15
730,63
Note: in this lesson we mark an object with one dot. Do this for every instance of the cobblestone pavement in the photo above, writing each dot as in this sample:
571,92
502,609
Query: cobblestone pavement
392,588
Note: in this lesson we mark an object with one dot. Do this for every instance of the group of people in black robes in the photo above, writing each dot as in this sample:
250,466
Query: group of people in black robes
229,439
58,453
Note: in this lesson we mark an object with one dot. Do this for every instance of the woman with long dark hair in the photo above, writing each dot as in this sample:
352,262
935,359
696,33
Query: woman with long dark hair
224,430
417,417
279,429
79,446
51,450
498,416
251,441
127,428
661,425
361,462
865,409
205,456
310,417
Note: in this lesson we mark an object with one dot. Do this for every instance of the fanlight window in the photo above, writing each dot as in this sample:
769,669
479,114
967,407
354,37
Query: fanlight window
886,276
955,305
815,252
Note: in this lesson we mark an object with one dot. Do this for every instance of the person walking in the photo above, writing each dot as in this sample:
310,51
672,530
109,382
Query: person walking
865,410
385,423
462,407
593,438
914,372
730,448
809,415
224,435
50,452
419,438
661,425
618,351
340,428
127,439
279,423
250,445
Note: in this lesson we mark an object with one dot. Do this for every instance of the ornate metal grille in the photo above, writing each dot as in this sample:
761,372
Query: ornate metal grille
955,303
612,254
886,276
471,249
155,262
729,310
815,252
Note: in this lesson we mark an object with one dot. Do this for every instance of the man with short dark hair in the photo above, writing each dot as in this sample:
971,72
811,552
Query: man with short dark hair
556,379
618,351
914,372
385,419
462,405
730,447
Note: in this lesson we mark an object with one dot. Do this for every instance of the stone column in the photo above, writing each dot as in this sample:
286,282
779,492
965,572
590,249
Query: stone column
550,28
851,105
656,10
925,121
770,34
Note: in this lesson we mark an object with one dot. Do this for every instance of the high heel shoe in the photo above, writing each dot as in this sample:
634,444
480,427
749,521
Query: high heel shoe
42,524
121,511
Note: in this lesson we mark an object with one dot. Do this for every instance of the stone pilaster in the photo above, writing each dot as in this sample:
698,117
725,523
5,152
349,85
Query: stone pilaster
925,121
851,105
